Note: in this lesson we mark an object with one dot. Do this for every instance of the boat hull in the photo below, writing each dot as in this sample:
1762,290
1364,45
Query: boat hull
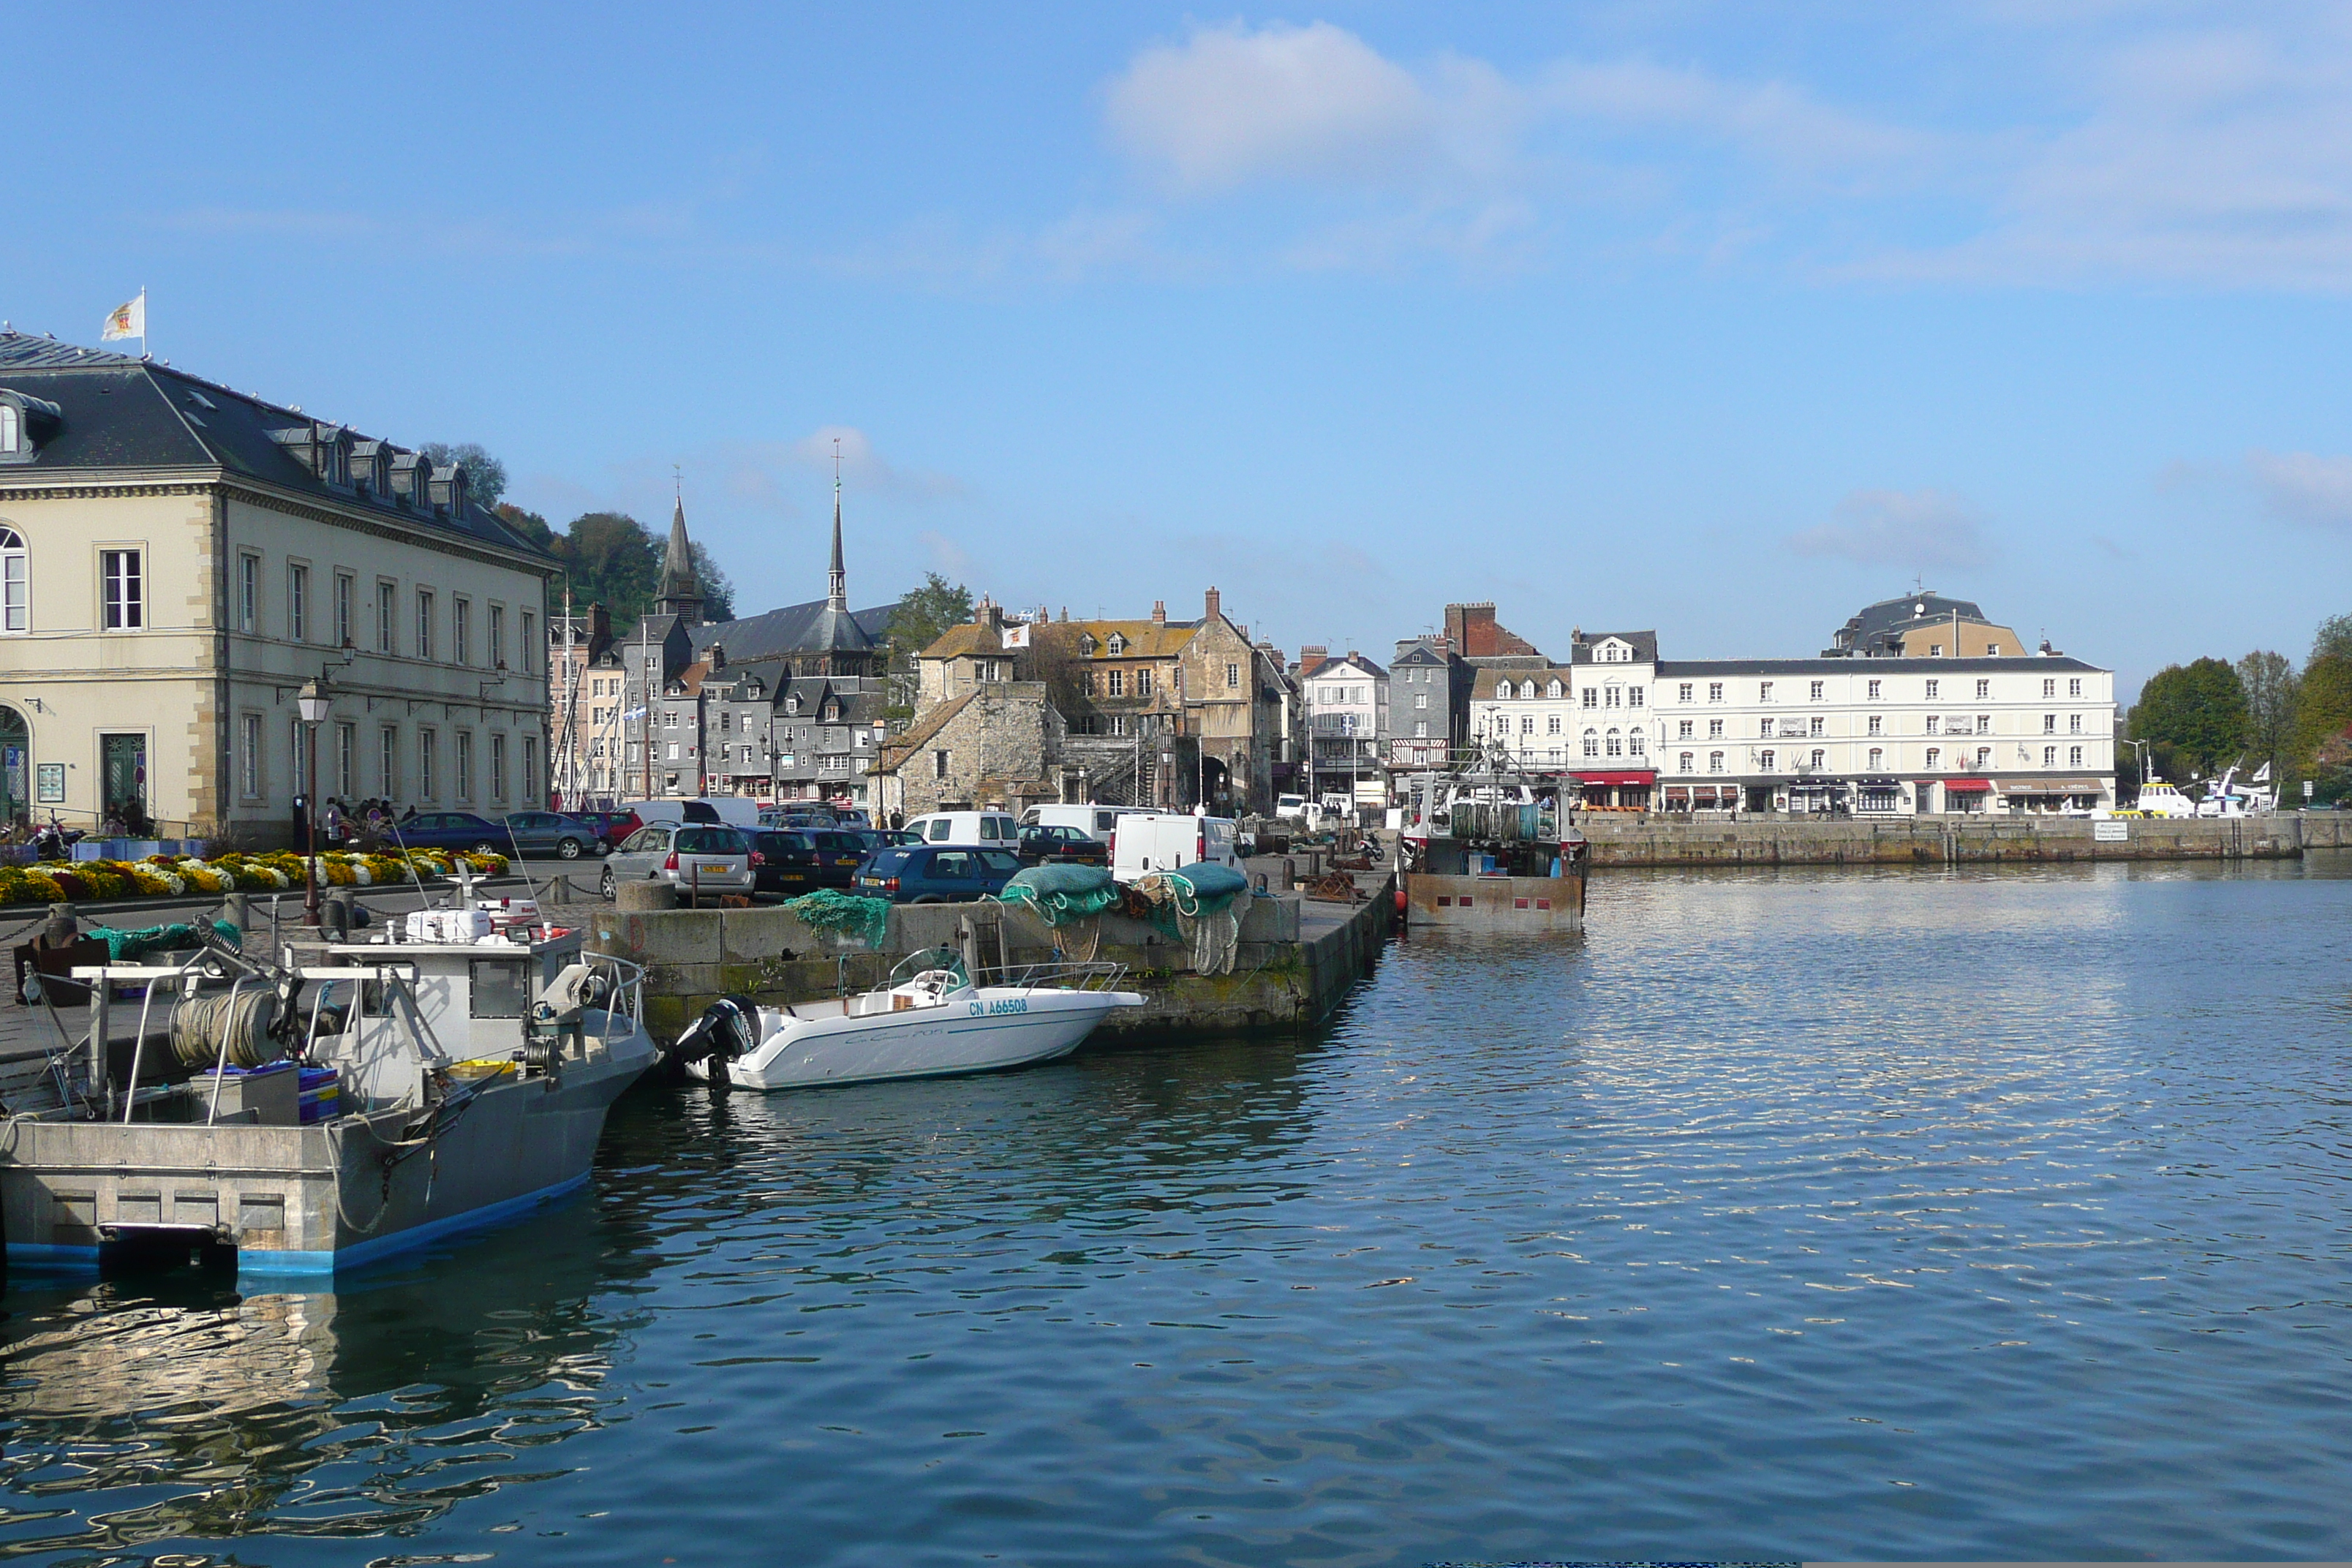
985,1031
1528,904
314,1199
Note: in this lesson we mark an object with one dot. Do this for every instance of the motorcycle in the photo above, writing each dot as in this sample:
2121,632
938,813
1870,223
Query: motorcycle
54,842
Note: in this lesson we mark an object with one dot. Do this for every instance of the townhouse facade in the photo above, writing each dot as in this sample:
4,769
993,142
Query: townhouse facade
1344,703
178,560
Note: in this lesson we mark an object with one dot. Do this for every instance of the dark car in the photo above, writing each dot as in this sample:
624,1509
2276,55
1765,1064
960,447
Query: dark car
555,833
784,862
448,830
1061,846
935,873
611,826
840,851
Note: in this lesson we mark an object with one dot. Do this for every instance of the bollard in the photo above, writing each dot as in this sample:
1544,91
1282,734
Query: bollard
644,896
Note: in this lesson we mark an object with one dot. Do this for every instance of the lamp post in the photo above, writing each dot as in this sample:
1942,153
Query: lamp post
312,703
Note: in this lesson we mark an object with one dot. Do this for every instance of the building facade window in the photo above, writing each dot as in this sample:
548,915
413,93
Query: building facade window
2073,723
1765,760
1686,760
1873,691
497,767
122,586
530,641
1935,723
248,760
387,610
1118,683
248,593
1715,691
1552,725
1763,691
1877,723
497,637
424,623
1232,677
1592,743
461,631
343,610
1984,689
16,581
464,765
1683,694
1877,758
1714,729
1714,761
1935,688
1934,752
388,762
347,783
297,602
1816,690
2049,756
427,748
2073,689
2050,723
2073,757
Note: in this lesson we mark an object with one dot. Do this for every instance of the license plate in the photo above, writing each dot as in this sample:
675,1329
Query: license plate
715,867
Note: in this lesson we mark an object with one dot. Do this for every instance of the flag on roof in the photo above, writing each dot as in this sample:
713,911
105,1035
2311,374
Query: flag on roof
1017,636
128,320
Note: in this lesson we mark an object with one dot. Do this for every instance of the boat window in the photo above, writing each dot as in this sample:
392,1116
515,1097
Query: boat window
499,988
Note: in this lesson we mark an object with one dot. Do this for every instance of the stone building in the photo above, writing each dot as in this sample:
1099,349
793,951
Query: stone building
1422,706
989,747
177,558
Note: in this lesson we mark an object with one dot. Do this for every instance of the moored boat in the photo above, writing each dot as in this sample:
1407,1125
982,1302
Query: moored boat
929,1020
1486,848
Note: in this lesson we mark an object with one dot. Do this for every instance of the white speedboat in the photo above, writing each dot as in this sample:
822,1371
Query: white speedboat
934,1023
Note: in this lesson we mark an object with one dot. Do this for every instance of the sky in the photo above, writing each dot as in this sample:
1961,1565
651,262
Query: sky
1719,319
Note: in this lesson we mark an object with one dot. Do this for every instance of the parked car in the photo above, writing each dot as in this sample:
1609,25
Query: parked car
712,810
1093,820
801,816
1061,846
1162,841
783,861
981,829
551,833
693,857
448,830
611,826
839,852
935,874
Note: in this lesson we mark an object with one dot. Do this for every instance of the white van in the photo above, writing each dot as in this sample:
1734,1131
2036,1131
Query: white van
1290,806
715,811
987,829
1094,821
1146,841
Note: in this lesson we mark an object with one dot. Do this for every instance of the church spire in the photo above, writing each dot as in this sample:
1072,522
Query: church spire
681,589
836,592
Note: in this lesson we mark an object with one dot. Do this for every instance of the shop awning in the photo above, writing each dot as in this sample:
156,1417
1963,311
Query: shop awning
2054,787
1968,787
1644,779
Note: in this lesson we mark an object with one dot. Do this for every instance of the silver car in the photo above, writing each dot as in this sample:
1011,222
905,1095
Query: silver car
689,855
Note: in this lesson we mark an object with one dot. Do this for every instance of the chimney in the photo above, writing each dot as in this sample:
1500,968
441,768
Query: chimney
1216,604
718,657
1472,625
600,623
1159,612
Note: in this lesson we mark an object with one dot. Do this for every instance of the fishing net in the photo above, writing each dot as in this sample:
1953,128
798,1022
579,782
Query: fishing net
843,914
131,946
1200,900
1064,897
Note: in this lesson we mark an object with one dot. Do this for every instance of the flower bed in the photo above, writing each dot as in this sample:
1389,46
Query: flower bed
161,875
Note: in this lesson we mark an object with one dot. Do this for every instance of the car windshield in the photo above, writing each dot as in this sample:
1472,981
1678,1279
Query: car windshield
779,843
887,862
708,841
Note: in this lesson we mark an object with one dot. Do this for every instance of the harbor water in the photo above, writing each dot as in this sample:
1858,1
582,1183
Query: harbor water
1813,1214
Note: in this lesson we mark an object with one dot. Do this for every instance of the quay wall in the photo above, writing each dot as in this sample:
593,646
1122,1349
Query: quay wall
1956,840
1297,960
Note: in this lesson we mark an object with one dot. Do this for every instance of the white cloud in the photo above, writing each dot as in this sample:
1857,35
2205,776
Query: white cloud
860,462
2302,487
1915,529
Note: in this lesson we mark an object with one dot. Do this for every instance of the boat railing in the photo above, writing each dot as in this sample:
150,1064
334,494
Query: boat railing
1065,976
625,999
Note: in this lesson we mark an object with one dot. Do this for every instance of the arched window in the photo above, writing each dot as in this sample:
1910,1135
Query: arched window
1638,743
1592,743
1502,692
1877,758
16,610
1616,743
1687,761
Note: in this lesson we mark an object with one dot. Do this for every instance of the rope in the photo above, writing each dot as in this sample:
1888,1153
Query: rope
242,1019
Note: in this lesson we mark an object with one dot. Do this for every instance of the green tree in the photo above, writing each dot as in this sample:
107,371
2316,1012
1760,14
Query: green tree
2321,719
718,588
2335,639
2198,709
485,476
2272,690
918,621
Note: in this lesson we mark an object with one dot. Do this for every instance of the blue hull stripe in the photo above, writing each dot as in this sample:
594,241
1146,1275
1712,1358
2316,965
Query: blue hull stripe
314,1264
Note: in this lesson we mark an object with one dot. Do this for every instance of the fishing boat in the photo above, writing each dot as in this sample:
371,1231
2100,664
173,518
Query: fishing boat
928,1019
329,1106
1486,847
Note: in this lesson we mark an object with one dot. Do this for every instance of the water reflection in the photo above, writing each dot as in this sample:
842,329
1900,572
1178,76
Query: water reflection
143,1411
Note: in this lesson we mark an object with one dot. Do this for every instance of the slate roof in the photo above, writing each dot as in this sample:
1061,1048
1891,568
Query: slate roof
122,412
1645,645
792,629
1342,661
1882,625
1484,685
1687,667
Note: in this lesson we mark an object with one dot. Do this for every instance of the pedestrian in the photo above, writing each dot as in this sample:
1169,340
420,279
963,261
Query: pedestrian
332,821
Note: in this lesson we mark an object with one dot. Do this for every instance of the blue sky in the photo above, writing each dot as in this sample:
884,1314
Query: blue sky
1719,319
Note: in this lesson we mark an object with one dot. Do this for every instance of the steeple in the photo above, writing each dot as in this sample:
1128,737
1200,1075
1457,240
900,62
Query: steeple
836,592
681,592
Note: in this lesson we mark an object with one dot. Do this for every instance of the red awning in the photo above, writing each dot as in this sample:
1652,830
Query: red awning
1967,786
1644,779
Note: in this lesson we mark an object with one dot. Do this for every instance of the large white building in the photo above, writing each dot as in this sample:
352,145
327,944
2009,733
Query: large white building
178,559
1884,735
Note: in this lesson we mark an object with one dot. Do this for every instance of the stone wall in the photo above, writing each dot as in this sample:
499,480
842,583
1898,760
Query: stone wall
1954,840
1279,981
1000,739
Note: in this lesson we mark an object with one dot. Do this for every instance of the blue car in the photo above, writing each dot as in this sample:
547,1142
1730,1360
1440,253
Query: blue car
448,830
935,873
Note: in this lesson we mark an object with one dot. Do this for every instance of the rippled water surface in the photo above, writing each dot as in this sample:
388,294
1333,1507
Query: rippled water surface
1808,1215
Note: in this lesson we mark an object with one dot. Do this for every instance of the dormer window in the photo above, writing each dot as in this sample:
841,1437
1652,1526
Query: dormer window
1552,690
1502,692
25,423
1527,690
1087,645
1118,645
791,704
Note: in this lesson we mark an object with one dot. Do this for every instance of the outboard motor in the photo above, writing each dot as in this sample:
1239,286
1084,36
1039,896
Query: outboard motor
728,1028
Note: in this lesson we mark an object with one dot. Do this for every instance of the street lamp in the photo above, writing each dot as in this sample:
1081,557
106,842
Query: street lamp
311,703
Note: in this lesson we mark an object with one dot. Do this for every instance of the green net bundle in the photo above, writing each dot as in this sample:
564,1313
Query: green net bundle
131,946
1062,895
844,914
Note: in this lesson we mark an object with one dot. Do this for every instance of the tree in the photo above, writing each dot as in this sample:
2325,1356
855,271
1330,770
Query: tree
2198,708
2271,690
718,588
918,621
2323,716
2335,639
485,476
